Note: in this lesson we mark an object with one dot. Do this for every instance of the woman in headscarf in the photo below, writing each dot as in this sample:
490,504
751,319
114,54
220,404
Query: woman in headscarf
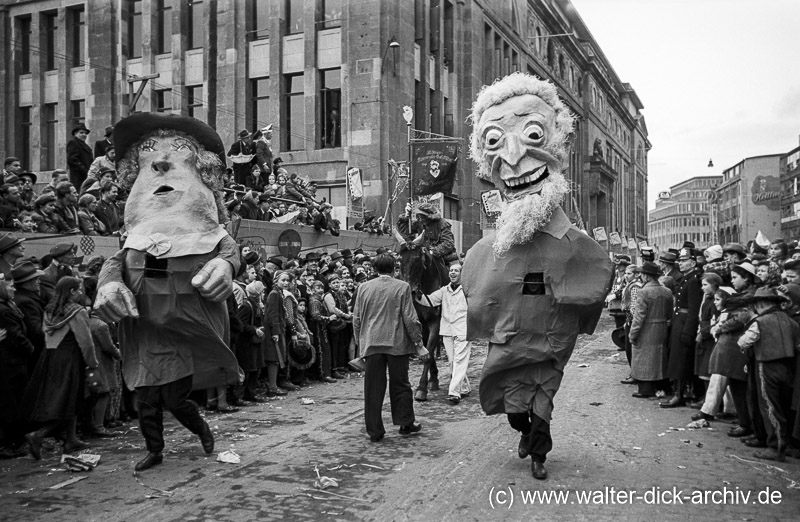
56,391
249,350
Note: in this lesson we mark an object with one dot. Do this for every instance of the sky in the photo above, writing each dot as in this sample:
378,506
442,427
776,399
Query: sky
719,79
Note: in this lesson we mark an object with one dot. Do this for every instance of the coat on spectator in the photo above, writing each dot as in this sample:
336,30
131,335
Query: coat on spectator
648,334
15,352
79,159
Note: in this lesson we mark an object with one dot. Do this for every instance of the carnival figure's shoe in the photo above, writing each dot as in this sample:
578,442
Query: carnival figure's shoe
35,444
421,395
771,454
538,470
376,438
152,459
674,402
410,429
207,439
435,385
524,448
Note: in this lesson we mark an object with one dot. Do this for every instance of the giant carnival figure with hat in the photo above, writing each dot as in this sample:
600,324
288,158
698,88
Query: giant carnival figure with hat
168,285
537,282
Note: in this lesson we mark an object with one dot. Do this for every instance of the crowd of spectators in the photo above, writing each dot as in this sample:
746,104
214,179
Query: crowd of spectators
291,326
718,331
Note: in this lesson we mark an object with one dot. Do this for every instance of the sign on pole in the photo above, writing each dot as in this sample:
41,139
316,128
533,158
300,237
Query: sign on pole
599,234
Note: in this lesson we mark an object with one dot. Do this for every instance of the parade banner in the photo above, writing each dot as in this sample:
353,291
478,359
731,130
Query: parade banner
354,182
355,192
642,245
614,239
631,244
434,166
599,234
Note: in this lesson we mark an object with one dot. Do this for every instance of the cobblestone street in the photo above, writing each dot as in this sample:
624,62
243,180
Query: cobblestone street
455,469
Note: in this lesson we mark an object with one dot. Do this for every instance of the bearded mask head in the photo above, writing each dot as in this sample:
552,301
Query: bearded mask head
519,141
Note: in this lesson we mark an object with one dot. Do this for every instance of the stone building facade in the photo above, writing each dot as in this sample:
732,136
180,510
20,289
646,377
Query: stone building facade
685,213
750,199
790,202
324,74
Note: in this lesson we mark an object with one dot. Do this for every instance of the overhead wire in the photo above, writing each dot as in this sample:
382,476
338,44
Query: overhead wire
119,75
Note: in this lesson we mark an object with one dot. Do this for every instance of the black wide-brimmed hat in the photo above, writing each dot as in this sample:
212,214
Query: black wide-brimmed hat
131,129
301,354
768,294
651,269
618,336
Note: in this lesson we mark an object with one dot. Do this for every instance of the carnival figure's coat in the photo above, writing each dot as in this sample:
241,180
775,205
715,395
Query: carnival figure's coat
167,286
538,282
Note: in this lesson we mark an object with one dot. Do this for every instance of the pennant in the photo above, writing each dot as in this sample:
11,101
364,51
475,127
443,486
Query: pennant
434,166
354,181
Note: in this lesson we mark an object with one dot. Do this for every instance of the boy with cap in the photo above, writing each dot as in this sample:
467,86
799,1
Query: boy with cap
772,338
11,249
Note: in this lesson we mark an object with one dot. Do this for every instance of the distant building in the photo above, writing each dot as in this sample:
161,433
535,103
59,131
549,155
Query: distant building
790,203
685,213
750,200
332,76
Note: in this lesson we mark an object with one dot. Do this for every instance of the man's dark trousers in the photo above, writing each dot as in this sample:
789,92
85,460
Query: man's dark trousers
173,397
401,396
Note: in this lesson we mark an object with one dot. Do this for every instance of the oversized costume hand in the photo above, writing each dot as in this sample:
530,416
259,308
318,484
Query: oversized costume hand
114,301
215,280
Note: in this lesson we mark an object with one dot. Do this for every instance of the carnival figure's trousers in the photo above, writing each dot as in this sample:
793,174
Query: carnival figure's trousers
401,397
541,442
458,352
173,397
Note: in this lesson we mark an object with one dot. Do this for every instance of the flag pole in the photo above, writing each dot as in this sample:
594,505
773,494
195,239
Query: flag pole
408,115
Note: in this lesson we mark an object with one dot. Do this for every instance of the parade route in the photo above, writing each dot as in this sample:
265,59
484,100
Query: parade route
614,457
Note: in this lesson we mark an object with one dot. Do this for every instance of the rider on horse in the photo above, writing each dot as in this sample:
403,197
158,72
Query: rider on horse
431,232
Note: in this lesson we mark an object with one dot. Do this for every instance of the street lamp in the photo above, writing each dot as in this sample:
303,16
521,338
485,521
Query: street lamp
394,45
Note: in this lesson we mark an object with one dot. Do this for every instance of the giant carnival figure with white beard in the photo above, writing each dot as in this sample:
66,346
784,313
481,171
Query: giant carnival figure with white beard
537,282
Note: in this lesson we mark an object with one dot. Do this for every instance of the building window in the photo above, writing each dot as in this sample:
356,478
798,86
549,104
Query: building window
259,17
50,124
134,28
164,26
25,137
24,28
294,16
78,111
50,29
194,102
78,35
260,103
197,31
164,100
331,109
295,113
331,13
335,194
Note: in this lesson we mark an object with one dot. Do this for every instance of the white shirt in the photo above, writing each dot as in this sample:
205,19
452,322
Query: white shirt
454,310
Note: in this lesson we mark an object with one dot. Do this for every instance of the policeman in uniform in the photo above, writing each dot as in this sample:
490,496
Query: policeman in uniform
685,321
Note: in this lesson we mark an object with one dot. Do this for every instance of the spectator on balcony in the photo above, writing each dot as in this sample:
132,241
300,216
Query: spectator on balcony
11,166
65,214
93,183
108,212
79,155
56,177
43,208
249,208
104,162
101,146
243,146
28,194
10,205
262,139
256,180
89,224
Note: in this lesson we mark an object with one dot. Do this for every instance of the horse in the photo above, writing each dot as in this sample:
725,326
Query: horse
425,274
